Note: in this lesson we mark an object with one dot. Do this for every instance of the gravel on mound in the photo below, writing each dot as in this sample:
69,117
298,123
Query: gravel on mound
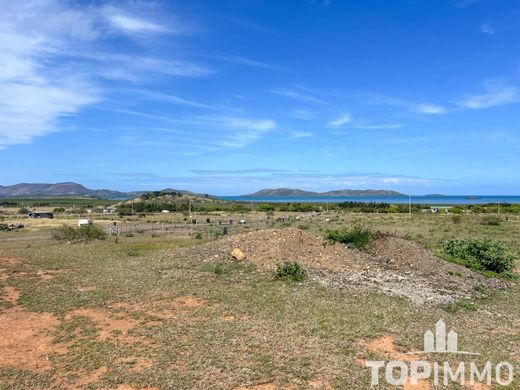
391,265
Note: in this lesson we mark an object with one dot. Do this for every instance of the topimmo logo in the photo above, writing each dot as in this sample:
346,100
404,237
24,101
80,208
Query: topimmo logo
399,373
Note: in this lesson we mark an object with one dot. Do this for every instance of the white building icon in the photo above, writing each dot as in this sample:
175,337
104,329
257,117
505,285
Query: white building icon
440,342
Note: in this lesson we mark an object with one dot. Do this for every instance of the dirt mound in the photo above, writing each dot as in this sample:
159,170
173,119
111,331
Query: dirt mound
392,265
267,248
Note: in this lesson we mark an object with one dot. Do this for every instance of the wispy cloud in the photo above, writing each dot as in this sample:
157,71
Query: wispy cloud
376,126
297,94
53,63
495,94
168,98
300,134
303,114
487,28
340,121
244,61
128,23
429,108
425,108
249,130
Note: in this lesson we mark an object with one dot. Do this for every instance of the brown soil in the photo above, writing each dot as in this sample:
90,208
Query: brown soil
10,294
108,325
26,342
165,309
391,265
9,260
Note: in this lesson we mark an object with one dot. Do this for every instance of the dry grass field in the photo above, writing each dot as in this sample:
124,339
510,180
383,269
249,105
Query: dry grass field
135,313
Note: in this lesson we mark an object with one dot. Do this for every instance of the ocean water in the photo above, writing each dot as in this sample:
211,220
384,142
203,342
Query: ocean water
431,200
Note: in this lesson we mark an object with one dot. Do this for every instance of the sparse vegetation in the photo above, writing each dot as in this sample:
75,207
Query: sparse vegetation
80,234
480,254
491,220
290,271
358,237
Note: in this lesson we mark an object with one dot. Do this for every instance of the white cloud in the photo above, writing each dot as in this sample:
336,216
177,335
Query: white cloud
340,121
429,108
495,94
300,134
486,28
33,94
377,126
296,94
249,131
51,61
244,61
303,114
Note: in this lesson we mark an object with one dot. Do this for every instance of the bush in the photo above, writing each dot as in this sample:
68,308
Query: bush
290,271
357,237
491,220
81,234
198,236
456,219
481,254
23,210
4,227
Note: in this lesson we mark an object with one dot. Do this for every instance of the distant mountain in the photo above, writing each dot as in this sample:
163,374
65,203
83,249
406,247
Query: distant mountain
290,192
58,189
74,189
283,192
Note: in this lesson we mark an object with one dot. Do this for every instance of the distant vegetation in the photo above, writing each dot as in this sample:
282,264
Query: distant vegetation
480,254
358,237
290,271
80,234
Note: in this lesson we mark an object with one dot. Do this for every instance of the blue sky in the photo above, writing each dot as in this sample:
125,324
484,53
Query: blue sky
228,97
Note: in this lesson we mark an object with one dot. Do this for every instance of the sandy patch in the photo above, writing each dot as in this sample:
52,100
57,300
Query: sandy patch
108,325
10,294
3,275
26,342
128,387
9,260
320,385
164,310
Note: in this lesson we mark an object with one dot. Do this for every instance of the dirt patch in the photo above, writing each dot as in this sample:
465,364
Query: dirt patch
10,294
3,275
108,325
320,385
9,260
165,309
137,364
391,265
26,342
128,387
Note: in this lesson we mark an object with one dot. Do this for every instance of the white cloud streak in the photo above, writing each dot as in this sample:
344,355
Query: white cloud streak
340,121
495,94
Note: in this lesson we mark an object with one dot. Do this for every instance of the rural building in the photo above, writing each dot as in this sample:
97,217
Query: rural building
40,214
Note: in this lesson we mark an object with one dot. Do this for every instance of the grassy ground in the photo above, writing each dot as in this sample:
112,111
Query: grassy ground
128,314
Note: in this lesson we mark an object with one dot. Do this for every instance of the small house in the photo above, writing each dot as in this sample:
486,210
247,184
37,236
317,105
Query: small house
40,214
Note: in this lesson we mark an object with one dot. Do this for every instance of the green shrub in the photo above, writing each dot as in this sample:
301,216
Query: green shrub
129,234
218,270
482,254
4,227
456,219
290,271
81,234
198,236
491,220
357,237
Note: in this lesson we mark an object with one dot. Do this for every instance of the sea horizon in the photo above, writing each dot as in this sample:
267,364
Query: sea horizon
392,199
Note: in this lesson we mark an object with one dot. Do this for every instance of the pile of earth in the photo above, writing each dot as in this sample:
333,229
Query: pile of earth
392,265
